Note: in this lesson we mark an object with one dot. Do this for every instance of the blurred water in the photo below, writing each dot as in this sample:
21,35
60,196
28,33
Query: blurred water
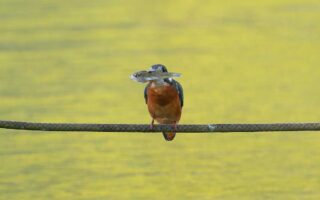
241,62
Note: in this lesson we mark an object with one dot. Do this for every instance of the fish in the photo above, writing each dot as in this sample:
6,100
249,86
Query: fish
145,76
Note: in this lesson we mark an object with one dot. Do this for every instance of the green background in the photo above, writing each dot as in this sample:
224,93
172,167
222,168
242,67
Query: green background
242,62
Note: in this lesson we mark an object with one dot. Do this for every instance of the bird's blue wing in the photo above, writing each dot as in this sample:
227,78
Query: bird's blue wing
146,93
178,87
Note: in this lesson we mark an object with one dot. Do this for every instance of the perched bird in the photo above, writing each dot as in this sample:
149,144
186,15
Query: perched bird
163,96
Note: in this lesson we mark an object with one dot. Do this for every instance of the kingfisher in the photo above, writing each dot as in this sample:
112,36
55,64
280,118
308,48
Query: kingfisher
163,96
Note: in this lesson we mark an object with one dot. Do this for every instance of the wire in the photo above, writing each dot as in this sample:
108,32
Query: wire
183,128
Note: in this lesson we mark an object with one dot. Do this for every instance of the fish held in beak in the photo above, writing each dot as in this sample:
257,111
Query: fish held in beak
145,76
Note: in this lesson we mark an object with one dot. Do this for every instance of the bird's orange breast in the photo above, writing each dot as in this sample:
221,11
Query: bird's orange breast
163,103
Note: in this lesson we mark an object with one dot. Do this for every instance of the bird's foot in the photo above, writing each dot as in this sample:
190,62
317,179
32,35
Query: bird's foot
152,124
174,126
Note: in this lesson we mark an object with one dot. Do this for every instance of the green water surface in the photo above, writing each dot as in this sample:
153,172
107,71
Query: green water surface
242,62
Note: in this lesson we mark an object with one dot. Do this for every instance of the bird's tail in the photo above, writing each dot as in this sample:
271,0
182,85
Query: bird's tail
169,135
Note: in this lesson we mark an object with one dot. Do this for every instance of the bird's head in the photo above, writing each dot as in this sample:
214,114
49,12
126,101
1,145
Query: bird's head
158,68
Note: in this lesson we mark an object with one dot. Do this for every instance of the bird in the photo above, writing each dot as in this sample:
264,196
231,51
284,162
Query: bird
164,99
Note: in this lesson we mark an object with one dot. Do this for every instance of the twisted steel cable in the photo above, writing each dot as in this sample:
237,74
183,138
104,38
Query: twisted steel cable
183,128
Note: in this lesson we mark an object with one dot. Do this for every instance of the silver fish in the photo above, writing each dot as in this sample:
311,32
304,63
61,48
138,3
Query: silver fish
145,76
